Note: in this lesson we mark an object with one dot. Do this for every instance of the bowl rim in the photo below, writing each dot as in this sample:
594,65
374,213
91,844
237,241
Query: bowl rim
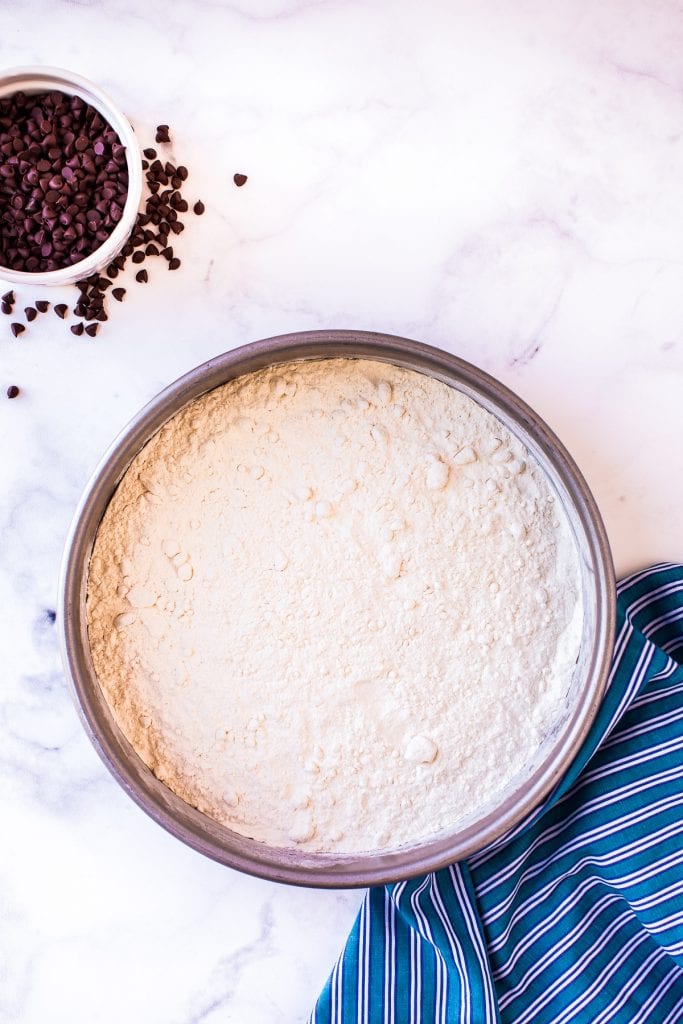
187,823
43,78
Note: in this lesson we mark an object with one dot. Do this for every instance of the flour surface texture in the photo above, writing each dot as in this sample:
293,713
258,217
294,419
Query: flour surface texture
334,604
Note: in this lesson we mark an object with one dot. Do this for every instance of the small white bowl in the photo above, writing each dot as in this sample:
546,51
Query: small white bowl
45,79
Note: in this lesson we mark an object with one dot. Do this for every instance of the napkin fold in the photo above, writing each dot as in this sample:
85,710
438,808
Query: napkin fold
577,913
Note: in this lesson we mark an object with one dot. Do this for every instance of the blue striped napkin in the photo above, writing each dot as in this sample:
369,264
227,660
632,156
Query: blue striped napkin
577,913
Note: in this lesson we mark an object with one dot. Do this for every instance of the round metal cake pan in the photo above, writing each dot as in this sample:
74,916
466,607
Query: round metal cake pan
468,836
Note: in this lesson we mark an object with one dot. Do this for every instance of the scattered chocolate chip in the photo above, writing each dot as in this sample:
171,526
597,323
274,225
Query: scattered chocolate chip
240,179
17,329
66,216
12,391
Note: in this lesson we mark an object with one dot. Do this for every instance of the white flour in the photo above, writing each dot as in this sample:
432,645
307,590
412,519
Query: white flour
335,604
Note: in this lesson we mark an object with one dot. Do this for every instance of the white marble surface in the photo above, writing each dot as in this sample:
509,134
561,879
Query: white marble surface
502,179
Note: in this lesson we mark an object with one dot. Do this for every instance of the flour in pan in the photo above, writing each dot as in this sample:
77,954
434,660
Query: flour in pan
335,604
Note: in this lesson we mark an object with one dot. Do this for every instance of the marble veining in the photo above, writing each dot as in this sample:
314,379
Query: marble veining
501,179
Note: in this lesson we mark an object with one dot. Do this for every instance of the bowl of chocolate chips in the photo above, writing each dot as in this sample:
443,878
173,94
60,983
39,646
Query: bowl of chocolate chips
70,177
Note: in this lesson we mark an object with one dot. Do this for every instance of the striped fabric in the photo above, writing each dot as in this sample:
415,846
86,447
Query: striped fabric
576,914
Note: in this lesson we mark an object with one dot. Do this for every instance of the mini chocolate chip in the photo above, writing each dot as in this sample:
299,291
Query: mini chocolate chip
17,329
42,305
65,180
8,297
151,250
177,227
182,172
118,294
199,207
61,310
31,313
12,391
112,271
91,329
150,153
142,276
240,179
138,257
77,329
167,253
6,308
174,263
